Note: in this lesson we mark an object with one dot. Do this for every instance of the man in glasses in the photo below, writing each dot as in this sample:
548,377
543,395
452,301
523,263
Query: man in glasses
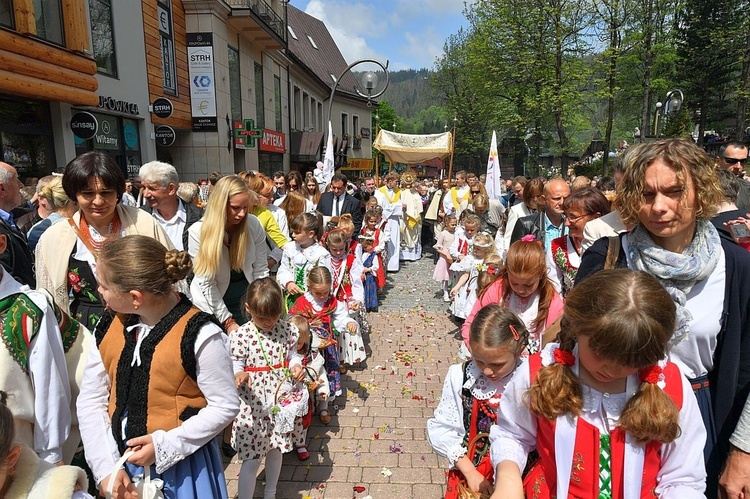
733,157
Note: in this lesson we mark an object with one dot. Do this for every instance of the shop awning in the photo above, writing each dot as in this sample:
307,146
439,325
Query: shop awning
306,145
410,149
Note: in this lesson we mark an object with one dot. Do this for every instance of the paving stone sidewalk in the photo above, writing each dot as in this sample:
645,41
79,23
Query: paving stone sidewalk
376,445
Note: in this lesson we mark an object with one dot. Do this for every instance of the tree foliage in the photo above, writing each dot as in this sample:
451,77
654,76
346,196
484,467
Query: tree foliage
547,74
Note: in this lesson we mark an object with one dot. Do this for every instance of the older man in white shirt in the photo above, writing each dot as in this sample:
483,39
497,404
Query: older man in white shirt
160,181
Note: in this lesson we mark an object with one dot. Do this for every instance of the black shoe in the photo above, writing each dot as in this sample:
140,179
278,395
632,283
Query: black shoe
228,450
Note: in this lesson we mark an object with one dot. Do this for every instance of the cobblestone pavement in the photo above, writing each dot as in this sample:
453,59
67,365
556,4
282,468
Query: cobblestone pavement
376,445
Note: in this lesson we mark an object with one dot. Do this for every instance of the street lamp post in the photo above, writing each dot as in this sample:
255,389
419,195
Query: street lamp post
672,105
377,154
369,82
656,119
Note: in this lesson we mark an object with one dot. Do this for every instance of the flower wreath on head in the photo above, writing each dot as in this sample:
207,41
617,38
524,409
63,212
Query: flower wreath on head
490,268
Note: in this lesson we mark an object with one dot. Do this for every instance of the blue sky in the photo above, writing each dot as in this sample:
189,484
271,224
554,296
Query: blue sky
408,33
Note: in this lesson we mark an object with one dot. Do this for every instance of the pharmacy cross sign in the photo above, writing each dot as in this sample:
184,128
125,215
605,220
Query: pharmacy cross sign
249,133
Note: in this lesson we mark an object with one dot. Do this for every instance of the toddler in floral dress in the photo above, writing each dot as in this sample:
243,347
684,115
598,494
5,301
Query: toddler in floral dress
264,356
329,319
314,376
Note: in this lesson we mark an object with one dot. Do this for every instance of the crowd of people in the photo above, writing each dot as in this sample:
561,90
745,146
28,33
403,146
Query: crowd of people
604,335
153,325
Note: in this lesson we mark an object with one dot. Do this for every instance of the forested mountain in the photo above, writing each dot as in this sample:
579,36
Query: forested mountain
411,102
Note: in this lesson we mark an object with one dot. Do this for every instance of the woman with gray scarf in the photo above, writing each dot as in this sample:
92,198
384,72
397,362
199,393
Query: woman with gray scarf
668,194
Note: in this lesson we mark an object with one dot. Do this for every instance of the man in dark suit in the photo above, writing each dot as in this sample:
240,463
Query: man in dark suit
337,202
16,259
549,223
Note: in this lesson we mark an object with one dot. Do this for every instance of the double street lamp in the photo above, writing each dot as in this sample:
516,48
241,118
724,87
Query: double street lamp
672,104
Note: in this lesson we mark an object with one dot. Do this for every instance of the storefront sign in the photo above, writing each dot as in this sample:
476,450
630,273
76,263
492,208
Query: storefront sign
108,136
273,141
165,135
246,134
162,107
84,125
362,164
121,106
202,87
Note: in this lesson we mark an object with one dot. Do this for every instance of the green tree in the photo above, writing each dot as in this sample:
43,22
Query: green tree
710,47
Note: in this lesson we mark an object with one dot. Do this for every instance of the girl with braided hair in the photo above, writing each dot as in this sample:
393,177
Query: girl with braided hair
604,399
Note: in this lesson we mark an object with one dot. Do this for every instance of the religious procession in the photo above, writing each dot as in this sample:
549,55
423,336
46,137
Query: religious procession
212,288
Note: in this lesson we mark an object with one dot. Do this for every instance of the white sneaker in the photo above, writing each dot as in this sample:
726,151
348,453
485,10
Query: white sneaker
446,297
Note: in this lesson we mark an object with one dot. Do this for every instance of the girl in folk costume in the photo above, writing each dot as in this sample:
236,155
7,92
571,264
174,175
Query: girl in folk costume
371,266
379,237
464,293
158,381
330,321
346,270
299,258
411,223
604,399
264,356
564,254
468,227
389,198
442,273
471,396
523,287
314,375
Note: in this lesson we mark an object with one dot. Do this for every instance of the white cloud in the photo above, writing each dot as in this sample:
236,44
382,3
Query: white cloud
410,33
423,47
349,23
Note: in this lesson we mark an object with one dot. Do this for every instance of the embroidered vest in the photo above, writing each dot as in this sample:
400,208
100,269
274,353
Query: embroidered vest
584,477
158,394
342,283
304,308
479,416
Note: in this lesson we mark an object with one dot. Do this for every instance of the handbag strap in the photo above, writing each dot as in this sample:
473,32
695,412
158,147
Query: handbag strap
120,464
613,252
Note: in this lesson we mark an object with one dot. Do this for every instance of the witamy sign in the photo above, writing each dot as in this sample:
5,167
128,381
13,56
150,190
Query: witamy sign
202,89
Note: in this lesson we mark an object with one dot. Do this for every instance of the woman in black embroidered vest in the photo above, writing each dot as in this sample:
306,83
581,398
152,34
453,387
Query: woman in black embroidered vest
135,396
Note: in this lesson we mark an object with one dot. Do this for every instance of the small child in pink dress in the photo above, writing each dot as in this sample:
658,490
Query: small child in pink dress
442,272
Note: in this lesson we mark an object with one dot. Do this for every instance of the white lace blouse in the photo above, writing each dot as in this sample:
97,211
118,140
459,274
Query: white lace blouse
445,430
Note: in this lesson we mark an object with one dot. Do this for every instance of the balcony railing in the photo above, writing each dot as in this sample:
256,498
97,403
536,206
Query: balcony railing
264,12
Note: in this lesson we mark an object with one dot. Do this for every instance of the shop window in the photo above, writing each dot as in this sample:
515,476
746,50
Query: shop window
6,13
269,163
103,36
49,22
235,95
277,100
260,118
117,137
26,138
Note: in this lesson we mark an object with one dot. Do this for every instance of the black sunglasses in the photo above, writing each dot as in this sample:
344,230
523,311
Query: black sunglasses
733,161
476,192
